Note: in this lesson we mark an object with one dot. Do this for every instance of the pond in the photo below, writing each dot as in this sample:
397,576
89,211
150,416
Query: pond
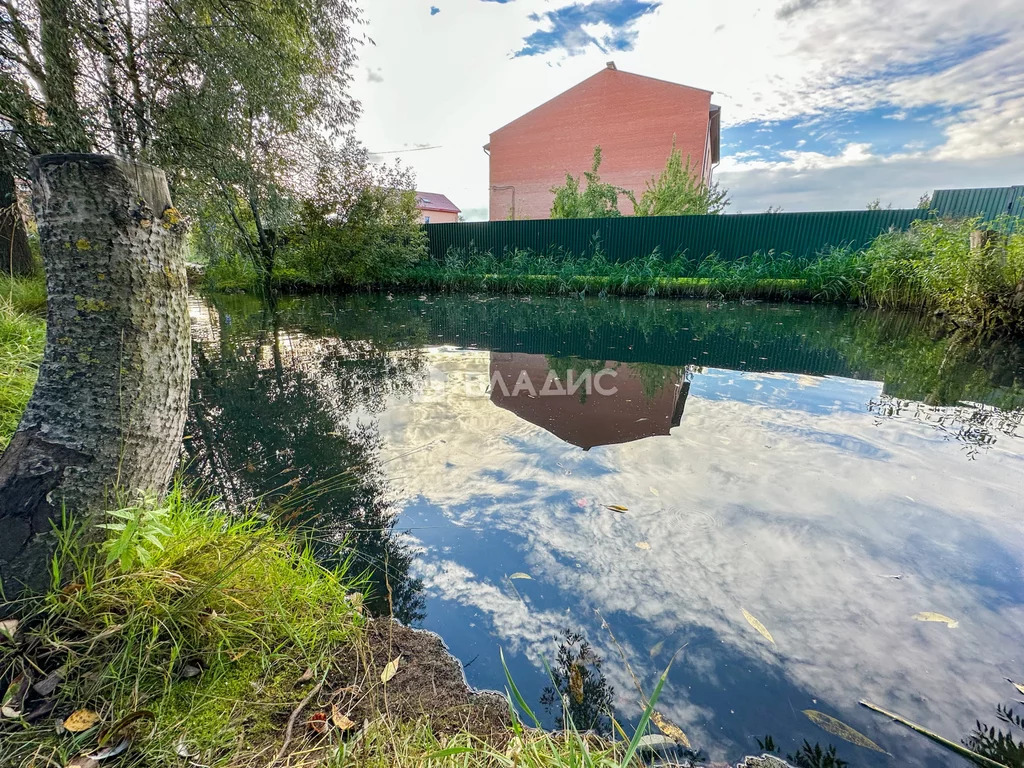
780,493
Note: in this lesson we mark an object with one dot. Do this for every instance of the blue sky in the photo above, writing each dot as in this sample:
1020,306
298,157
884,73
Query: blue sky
825,103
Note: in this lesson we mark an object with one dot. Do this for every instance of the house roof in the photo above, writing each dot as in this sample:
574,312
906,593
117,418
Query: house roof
609,71
432,201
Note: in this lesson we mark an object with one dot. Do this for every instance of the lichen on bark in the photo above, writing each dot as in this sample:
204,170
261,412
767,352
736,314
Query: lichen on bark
106,417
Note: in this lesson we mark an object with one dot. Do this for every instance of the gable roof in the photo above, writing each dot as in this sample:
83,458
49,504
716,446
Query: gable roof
609,71
432,201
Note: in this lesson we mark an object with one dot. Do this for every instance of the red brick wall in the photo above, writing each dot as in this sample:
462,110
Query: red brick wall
632,118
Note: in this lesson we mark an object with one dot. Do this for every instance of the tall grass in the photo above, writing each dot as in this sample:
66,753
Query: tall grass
932,266
22,337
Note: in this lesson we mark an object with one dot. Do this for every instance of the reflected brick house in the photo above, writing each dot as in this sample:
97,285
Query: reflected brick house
436,209
632,118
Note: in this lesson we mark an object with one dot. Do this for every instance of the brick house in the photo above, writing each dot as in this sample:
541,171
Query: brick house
436,209
632,118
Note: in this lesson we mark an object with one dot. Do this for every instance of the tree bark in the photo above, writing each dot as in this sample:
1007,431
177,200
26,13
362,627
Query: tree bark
106,417
15,255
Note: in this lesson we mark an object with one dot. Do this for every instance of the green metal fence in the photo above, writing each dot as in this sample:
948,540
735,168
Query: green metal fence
731,236
988,202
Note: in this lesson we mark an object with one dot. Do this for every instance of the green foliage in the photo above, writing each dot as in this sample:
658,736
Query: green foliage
137,534
596,200
360,226
220,611
679,191
22,336
807,756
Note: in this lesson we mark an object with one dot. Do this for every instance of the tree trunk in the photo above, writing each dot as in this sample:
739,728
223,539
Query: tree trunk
15,255
106,417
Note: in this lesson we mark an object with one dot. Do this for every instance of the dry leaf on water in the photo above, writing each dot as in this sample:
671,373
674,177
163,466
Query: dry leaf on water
342,722
752,621
643,545
841,729
1018,686
670,729
656,648
391,669
654,491
616,508
576,683
521,575
81,720
932,616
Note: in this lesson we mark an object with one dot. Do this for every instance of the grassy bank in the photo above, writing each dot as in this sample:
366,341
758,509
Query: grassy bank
22,336
933,267
192,635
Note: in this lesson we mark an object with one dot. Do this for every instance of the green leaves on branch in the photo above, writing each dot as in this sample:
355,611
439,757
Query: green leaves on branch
678,191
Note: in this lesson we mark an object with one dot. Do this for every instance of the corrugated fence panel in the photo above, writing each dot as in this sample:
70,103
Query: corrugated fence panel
989,202
731,236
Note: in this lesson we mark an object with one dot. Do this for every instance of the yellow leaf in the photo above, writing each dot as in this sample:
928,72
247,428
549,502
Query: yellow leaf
391,669
654,491
1018,686
521,575
670,729
576,683
656,649
341,721
841,729
616,508
643,545
752,621
81,720
932,616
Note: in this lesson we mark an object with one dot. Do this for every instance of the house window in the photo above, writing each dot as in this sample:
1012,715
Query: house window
426,219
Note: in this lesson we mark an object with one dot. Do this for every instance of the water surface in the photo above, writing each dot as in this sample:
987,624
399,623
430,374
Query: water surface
831,472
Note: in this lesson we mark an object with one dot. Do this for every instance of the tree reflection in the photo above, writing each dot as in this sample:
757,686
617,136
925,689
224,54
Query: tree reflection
579,692
274,422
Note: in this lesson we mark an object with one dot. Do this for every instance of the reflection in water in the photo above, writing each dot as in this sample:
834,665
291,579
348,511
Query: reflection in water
781,460
579,694
589,403
273,421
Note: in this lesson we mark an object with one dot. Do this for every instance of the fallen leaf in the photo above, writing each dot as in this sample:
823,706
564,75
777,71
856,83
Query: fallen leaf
670,729
643,545
355,599
183,750
305,677
1018,686
342,722
391,669
114,751
576,683
616,508
752,621
8,627
841,729
81,720
932,616
49,684
654,491
83,761
14,697
318,722
521,575
656,648
191,670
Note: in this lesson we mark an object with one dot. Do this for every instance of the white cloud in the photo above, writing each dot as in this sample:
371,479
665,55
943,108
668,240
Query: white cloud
450,79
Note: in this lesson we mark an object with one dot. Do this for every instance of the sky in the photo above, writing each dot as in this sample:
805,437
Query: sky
826,104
